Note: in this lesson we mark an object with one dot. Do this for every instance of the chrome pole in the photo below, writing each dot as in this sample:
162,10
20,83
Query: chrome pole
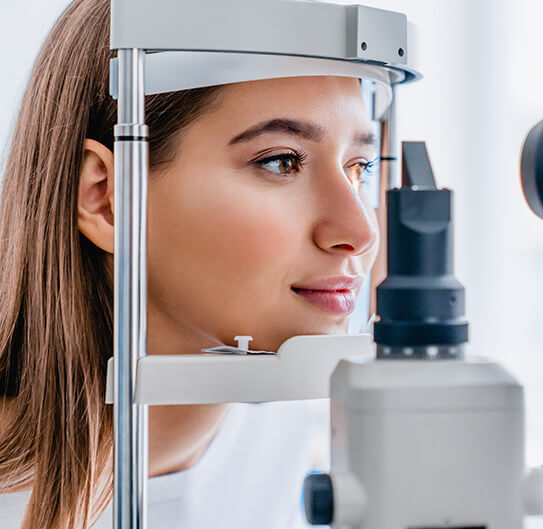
393,174
389,177
130,301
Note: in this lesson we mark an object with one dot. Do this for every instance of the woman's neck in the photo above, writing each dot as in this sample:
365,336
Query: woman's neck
178,435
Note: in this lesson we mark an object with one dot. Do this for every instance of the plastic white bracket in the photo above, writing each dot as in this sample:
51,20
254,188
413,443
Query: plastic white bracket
301,369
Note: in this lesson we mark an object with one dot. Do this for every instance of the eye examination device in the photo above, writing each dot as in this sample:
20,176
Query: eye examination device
423,435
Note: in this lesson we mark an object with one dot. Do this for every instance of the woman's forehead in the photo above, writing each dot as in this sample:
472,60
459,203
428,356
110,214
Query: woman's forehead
326,100
294,88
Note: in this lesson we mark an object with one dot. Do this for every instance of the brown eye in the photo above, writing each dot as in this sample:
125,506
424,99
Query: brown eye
356,172
282,164
285,165
359,172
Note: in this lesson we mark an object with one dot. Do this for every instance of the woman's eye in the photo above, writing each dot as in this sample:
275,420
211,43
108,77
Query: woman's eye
291,163
359,172
282,164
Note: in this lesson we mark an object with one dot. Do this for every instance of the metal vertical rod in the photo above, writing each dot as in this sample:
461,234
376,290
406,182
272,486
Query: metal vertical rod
389,177
130,301
393,177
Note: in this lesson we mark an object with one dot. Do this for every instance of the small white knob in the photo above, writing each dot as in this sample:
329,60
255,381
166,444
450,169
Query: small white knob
243,342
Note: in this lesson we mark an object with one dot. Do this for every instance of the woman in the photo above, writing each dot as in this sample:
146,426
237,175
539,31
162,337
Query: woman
253,201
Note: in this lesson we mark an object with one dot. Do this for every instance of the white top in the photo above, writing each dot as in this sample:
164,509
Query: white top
251,475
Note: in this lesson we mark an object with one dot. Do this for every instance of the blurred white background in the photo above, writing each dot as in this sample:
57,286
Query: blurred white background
480,95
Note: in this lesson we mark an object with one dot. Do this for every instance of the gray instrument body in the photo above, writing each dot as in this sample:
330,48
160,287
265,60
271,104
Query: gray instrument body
433,444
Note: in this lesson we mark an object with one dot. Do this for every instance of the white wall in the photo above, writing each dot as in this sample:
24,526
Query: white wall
23,27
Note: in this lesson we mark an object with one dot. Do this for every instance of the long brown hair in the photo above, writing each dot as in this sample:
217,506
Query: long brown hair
56,322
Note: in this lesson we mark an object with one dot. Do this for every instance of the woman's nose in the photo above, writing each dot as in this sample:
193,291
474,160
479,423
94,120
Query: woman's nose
346,223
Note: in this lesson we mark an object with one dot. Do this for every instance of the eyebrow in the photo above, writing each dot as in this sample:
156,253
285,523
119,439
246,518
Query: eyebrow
303,129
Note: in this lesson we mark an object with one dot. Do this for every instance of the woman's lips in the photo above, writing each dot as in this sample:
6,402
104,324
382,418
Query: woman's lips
339,302
333,294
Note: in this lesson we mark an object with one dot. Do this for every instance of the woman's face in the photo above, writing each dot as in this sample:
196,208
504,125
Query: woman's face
233,228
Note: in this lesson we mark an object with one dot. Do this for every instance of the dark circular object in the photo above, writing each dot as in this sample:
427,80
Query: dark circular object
318,499
531,169
401,52
364,46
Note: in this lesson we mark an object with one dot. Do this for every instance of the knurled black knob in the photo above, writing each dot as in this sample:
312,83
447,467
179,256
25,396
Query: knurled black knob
318,499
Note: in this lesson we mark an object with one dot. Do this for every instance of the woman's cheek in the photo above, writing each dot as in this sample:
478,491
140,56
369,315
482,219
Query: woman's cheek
256,234
239,226
375,227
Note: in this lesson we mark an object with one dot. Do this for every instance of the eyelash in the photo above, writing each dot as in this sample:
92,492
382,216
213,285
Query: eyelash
299,158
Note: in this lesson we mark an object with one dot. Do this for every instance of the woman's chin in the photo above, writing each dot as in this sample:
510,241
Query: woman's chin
337,328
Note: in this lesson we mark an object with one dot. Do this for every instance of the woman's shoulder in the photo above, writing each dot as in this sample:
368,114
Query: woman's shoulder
13,507
13,503
6,414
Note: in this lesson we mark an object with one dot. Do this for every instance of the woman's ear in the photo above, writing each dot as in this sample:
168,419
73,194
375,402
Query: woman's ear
96,204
